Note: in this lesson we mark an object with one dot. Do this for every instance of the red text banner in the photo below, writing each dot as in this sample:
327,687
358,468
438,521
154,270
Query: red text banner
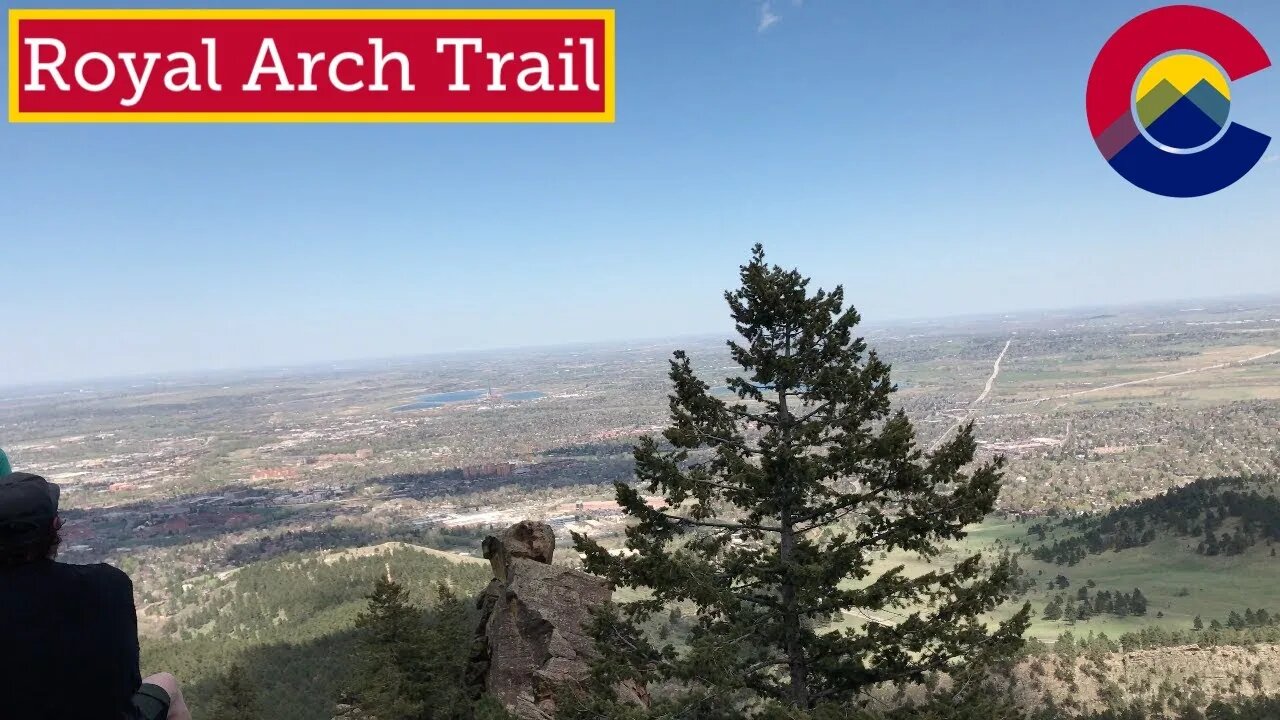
311,66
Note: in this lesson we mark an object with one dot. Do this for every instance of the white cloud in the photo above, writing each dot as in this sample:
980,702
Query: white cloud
768,18
1271,158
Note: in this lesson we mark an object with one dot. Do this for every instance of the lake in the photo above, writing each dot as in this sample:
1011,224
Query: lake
436,400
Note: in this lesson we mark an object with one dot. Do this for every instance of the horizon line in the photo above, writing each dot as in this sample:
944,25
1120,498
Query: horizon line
363,363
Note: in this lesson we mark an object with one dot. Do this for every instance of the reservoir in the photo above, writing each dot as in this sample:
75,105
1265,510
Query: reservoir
436,400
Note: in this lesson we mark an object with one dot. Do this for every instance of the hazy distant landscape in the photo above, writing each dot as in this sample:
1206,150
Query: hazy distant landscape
194,484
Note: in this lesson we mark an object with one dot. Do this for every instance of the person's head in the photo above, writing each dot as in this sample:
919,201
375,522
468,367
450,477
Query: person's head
29,521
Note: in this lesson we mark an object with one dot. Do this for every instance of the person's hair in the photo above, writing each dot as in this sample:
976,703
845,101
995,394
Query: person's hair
42,547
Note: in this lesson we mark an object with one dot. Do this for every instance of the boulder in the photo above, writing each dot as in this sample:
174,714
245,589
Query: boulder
349,711
526,539
531,642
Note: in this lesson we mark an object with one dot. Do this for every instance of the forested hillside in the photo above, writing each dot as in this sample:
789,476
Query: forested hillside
1227,515
290,623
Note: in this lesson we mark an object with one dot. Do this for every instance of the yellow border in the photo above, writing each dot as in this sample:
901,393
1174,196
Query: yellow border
605,116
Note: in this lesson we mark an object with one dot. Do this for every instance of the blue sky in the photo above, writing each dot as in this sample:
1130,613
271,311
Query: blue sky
931,156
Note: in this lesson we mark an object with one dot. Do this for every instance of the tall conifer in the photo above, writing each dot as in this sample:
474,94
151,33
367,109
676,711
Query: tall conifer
777,503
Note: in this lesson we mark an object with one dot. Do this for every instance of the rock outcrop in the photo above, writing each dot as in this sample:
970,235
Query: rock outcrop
531,642
346,710
527,539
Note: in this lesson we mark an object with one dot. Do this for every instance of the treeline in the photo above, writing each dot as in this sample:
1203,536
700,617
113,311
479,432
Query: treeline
1199,508
1236,621
337,538
1103,602
1157,636
1092,542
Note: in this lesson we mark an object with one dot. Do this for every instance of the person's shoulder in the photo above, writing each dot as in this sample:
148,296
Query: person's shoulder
101,575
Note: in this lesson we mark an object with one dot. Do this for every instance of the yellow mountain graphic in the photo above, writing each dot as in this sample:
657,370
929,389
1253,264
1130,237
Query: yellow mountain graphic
1183,71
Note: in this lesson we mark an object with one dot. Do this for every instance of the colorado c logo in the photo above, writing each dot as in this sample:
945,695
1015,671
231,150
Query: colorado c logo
1159,101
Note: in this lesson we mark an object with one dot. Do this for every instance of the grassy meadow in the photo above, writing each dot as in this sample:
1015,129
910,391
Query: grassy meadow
1175,580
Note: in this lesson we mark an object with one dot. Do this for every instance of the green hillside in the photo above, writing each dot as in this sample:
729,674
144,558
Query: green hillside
1161,553
1176,581
290,621
1205,549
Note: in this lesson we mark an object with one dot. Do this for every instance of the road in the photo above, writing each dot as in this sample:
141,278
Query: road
995,372
986,390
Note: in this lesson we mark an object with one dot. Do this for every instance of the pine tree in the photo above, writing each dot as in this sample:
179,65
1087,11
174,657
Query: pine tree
1234,621
390,654
1197,624
1053,611
1083,611
234,697
447,639
811,444
1138,603
412,661
1065,645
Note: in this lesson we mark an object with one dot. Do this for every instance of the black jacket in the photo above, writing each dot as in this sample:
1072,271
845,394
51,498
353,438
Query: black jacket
68,642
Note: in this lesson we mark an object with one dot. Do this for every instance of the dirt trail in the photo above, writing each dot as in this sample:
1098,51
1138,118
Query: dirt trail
986,390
